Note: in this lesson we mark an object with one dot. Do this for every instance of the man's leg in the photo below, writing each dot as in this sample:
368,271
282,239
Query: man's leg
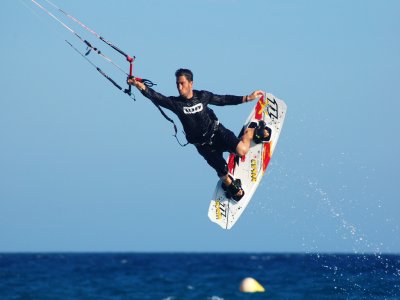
244,145
216,160
248,135
226,179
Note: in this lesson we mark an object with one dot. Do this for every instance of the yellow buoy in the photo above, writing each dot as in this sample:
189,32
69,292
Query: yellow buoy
250,285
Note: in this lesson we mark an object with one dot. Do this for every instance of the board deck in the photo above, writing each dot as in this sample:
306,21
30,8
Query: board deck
251,168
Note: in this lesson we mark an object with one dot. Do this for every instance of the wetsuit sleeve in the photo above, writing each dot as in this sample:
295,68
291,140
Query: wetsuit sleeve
158,98
223,99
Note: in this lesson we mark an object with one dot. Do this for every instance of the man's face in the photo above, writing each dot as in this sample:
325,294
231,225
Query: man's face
184,87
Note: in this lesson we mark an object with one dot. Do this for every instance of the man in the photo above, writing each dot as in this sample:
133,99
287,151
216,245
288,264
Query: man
202,127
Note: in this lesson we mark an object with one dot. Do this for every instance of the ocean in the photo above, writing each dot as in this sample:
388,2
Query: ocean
213,276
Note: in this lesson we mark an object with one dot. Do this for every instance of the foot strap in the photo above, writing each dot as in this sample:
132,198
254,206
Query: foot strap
233,190
259,132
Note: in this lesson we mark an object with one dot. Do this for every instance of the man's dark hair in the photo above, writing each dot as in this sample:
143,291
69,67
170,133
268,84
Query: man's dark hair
184,72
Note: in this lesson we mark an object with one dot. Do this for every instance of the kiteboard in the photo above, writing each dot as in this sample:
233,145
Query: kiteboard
251,168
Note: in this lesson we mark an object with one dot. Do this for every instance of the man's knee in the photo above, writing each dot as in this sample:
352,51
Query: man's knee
242,149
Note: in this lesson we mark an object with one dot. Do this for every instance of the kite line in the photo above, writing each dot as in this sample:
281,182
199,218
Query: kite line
91,48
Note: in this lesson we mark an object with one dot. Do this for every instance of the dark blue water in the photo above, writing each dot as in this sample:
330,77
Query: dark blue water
198,276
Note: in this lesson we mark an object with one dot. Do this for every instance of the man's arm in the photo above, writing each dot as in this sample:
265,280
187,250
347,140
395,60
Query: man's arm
151,94
233,100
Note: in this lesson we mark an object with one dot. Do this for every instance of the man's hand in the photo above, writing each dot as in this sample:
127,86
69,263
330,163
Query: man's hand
254,95
139,85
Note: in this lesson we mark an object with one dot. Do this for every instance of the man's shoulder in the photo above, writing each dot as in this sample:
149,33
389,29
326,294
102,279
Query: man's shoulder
202,94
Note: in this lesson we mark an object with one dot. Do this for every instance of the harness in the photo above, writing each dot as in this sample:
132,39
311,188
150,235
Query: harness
209,136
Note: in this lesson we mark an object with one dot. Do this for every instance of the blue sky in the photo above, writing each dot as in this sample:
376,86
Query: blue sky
84,168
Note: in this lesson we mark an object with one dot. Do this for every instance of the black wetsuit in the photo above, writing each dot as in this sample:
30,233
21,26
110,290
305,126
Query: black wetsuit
201,125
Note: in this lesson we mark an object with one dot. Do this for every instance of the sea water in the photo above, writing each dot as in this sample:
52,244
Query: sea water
213,276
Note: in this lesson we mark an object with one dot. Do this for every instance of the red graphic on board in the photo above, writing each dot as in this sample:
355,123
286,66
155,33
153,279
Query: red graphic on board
231,163
266,155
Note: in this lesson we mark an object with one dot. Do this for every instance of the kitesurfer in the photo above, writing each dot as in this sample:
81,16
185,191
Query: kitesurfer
202,127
